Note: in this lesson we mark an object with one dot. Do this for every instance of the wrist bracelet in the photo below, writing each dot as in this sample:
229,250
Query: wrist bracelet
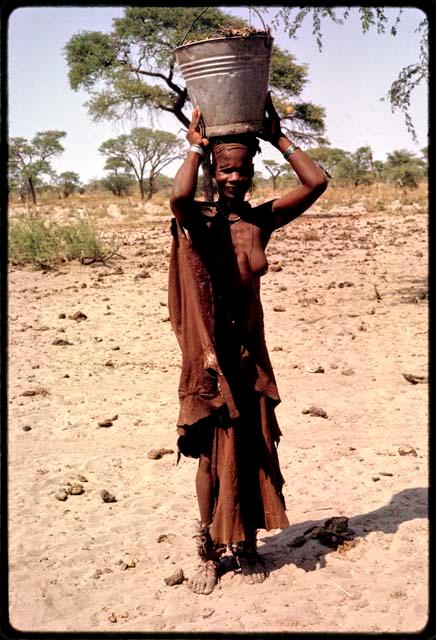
290,150
197,149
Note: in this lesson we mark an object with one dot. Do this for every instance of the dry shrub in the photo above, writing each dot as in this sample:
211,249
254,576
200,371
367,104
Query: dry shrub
33,240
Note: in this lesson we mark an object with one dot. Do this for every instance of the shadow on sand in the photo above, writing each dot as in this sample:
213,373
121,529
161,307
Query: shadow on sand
405,505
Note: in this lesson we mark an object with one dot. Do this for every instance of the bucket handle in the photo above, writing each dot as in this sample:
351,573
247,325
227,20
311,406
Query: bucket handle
266,29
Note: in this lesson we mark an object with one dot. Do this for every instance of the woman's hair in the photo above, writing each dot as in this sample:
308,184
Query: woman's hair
226,143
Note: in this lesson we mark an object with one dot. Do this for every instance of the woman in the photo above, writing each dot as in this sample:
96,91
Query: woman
227,387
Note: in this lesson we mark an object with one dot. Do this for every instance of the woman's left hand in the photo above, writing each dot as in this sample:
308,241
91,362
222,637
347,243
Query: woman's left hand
271,129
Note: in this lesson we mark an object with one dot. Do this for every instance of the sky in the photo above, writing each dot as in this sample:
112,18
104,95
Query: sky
348,78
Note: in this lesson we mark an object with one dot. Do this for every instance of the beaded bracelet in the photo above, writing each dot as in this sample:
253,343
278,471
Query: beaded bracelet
290,150
197,149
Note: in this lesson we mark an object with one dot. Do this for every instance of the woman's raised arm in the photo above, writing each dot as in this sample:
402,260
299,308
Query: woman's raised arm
185,181
313,179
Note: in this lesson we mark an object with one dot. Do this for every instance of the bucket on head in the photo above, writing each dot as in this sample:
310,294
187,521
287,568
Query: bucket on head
227,78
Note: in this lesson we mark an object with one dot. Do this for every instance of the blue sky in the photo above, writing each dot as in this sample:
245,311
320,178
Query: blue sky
347,78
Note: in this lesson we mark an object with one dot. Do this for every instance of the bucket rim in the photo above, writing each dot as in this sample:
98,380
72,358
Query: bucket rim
265,36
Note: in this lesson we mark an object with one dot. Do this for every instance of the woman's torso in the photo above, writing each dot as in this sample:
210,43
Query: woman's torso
234,254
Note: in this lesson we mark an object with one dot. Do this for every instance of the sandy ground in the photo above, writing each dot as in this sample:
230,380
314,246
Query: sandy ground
69,560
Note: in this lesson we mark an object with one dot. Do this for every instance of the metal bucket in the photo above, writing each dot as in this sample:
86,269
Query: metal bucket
228,79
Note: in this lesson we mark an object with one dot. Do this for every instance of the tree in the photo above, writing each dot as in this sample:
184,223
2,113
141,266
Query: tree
28,161
140,149
404,168
355,168
370,17
133,68
69,182
328,158
275,170
119,178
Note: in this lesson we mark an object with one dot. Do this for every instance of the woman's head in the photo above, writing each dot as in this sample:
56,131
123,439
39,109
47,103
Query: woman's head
232,165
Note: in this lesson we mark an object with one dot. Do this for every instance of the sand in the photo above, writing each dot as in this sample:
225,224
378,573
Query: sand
83,564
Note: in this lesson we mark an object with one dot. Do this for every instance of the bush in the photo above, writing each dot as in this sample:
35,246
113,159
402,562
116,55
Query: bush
32,241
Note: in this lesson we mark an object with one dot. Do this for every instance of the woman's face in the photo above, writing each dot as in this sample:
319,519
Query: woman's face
234,173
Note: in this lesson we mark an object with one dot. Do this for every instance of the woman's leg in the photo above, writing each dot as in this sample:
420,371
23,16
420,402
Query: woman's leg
204,486
207,576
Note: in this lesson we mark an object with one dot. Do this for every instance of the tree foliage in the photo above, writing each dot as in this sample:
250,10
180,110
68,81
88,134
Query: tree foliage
408,78
133,68
29,160
143,150
403,168
68,182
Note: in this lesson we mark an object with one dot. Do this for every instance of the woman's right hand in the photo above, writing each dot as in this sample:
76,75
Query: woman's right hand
194,132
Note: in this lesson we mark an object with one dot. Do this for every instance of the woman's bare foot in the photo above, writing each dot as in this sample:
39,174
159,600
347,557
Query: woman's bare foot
206,577
252,567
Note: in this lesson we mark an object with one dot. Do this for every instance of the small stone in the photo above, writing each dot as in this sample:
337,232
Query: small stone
27,427
347,372
318,369
123,566
82,478
277,349
78,315
124,615
106,496
375,478
112,617
142,274
108,363
414,379
62,316
276,267
334,366
61,342
315,411
38,391
156,454
407,450
67,375
83,285
176,578
386,473
97,573
207,613
279,307
131,563
371,312
61,495
76,489
105,422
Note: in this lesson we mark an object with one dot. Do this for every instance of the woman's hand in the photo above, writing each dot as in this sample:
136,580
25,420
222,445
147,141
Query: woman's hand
271,129
194,135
